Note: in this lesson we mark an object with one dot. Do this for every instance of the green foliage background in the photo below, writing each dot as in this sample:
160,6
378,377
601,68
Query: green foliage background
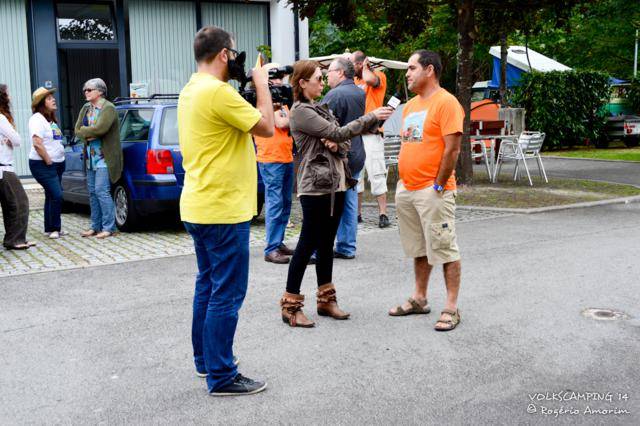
567,106
634,95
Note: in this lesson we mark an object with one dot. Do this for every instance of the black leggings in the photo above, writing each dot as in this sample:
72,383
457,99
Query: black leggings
318,233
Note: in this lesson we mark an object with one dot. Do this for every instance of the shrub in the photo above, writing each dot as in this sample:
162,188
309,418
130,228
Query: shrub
567,105
634,95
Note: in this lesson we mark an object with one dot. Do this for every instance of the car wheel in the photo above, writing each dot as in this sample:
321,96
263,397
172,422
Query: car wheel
631,142
68,207
127,218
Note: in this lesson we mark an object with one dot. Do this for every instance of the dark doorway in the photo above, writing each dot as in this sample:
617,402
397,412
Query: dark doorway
78,66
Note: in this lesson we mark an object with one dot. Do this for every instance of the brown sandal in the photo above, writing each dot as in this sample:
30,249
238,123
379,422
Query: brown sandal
88,233
416,308
449,324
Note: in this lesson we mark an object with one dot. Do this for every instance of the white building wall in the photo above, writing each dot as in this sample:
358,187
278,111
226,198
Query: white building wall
282,34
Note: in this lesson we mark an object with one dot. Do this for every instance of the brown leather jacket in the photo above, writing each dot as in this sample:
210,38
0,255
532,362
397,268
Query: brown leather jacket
319,168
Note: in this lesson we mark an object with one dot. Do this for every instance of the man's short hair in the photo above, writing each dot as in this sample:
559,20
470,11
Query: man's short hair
427,57
346,66
209,42
359,56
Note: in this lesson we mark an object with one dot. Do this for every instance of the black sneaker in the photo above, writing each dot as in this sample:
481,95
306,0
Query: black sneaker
236,362
338,255
240,386
359,218
384,221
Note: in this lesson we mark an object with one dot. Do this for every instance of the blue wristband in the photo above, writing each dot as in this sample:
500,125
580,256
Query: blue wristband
437,187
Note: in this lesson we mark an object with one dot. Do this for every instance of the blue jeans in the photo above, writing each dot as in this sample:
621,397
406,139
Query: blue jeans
103,211
278,186
348,228
50,177
222,252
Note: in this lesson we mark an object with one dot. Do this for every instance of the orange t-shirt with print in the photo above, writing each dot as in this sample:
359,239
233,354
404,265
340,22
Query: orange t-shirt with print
276,149
374,95
424,125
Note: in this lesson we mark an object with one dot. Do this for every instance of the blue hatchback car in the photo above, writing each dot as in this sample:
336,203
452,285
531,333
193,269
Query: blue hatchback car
153,177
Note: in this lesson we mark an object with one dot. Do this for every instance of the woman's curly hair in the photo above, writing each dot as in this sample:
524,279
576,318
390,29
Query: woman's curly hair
5,105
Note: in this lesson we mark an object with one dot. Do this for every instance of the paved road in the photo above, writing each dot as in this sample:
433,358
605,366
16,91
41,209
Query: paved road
111,344
608,171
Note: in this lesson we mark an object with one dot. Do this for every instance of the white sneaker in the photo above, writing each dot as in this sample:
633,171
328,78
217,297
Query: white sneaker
54,235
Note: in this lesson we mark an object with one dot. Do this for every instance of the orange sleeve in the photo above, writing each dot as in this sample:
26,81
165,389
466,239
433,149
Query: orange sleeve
451,117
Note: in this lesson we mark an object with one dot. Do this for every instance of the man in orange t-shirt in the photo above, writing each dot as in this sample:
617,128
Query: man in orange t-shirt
275,161
432,125
374,84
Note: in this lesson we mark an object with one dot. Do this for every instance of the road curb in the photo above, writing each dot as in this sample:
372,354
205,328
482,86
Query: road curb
590,159
623,200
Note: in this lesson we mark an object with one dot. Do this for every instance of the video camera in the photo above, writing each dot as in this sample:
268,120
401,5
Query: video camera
281,94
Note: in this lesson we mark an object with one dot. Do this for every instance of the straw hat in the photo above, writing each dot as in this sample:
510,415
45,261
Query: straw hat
39,95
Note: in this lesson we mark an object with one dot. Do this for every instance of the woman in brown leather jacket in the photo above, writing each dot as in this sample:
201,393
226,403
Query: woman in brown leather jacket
323,178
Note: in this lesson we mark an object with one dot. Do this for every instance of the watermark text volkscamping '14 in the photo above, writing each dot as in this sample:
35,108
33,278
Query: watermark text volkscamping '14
578,396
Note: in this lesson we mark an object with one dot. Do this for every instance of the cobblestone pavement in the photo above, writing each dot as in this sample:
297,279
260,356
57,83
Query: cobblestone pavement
163,240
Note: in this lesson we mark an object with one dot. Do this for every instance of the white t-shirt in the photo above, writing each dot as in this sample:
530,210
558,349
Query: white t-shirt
7,134
51,138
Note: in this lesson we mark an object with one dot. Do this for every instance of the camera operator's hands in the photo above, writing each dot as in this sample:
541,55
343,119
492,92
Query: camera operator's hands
265,127
260,76
383,113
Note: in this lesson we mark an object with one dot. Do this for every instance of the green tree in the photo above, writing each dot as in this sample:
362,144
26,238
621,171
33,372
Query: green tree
598,35
404,21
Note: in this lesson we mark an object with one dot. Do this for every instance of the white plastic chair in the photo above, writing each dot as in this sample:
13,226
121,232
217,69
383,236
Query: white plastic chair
528,145
482,143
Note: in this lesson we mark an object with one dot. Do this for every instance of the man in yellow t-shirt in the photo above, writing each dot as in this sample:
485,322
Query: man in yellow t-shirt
219,199
374,84
432,125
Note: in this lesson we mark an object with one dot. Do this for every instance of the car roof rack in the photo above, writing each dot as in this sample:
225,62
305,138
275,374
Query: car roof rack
154,97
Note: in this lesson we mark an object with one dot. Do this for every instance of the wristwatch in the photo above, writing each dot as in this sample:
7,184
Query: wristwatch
438,188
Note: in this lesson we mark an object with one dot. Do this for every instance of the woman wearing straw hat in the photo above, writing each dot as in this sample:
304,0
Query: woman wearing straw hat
97,126
46,159
14,201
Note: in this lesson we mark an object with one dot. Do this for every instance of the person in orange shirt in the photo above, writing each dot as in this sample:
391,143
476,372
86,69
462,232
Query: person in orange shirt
374,84
275,161
432,125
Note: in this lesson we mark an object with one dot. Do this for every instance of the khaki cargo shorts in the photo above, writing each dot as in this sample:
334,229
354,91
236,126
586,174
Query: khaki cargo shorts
427,224
374,165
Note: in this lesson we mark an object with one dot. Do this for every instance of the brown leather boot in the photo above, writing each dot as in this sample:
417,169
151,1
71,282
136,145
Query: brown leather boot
292,314
328,303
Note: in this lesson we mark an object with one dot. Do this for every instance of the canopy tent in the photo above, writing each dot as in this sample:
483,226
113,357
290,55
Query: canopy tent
517,64
375,62
613,80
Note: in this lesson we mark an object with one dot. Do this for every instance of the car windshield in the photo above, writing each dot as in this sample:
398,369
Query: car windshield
169,129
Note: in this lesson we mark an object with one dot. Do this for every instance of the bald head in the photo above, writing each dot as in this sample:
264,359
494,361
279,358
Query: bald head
358,56
357,59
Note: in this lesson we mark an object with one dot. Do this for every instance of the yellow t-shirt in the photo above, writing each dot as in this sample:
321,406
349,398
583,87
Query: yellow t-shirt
220,183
